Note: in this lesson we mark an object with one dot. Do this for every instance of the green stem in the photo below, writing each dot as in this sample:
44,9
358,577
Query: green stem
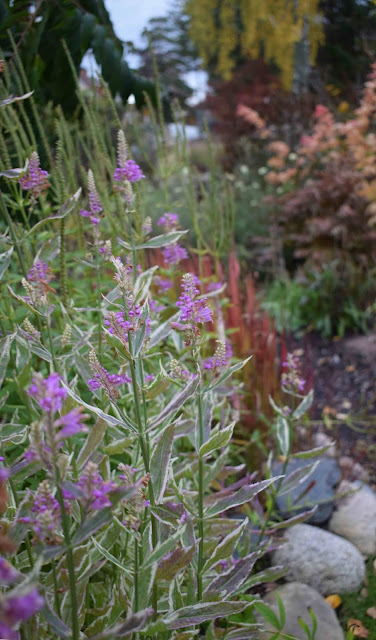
70,564
51,344
57,599
200,563
13,234
135,575
63,265
99,304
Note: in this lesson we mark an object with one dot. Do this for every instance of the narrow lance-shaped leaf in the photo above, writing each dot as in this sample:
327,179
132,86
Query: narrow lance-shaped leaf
5,259
198,613
56,624
296,477
304,406
283,435
62,212
177,401
135,622
161,550
217,440
302,517
161,331
230,581
5,345
92,442
225,548
7,101
207,417
157,242
267,575
244,494
312,453
174,562
106,554
160,462
227,374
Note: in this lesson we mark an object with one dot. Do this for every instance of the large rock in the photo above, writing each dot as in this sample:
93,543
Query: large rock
320,559
296,598
319,488
355,519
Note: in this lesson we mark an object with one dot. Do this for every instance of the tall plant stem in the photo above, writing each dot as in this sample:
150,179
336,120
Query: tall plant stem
63,265
13,234
200,563
99,304
70,564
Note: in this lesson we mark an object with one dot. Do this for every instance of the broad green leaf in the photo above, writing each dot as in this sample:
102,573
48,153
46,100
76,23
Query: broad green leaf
174,562
157,242
283,435
177,401
217,440
226,374
5,259
227,583
198,613
244,494
225,548
160,462
304,406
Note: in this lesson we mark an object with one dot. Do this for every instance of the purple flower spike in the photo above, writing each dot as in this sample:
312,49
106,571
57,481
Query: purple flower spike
169,221
130,172
95,206
174,253
95,490
48,392
7,633
19,608
35,180
72,423
39,272
8,574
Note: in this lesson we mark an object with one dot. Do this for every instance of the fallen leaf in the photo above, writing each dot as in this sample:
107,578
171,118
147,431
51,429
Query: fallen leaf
334,600
364,592
357,628
350,368
371,612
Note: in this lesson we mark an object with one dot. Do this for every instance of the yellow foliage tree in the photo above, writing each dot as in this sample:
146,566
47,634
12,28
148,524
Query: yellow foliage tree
256,28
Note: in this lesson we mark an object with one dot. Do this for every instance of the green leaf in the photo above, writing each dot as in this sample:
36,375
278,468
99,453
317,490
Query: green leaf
157,242
226,374
217,440
283,435
118,446
5,345
295,478
56,624
302,517
67,207
268,614
225,548
101,414
177,401
160,462
162,331
143,283
92,442
244,494
268,575
227,583
304,406
5,259
198,613
312,453
161,550
23,301
106,554
92,525
281,610
4,103
135,622
174,562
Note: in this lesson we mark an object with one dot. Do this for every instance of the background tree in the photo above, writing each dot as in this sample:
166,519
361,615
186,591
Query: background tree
38,29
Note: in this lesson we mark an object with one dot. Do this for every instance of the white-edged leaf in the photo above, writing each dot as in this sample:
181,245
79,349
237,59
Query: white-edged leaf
304,406
217,440
226,374
160,462
242,495
62,212
177,401
295,478
106,554
5,259
312,453
198,613
226,547
5,345
283,434
156,242
228,582
11,99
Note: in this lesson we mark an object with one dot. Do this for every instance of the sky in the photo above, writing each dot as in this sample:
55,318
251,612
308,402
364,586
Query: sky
130,17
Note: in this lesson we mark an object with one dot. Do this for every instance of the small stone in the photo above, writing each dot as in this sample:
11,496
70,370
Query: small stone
317,488
296,598
355,519
352,470
322,440
320,559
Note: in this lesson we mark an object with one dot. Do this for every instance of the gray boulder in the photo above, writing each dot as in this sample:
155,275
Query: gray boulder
355,519
296,598
318,488
321,560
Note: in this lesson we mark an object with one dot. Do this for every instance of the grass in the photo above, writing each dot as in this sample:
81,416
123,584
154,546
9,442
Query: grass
355,605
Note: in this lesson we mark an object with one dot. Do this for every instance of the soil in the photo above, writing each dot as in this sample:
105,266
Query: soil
342,373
